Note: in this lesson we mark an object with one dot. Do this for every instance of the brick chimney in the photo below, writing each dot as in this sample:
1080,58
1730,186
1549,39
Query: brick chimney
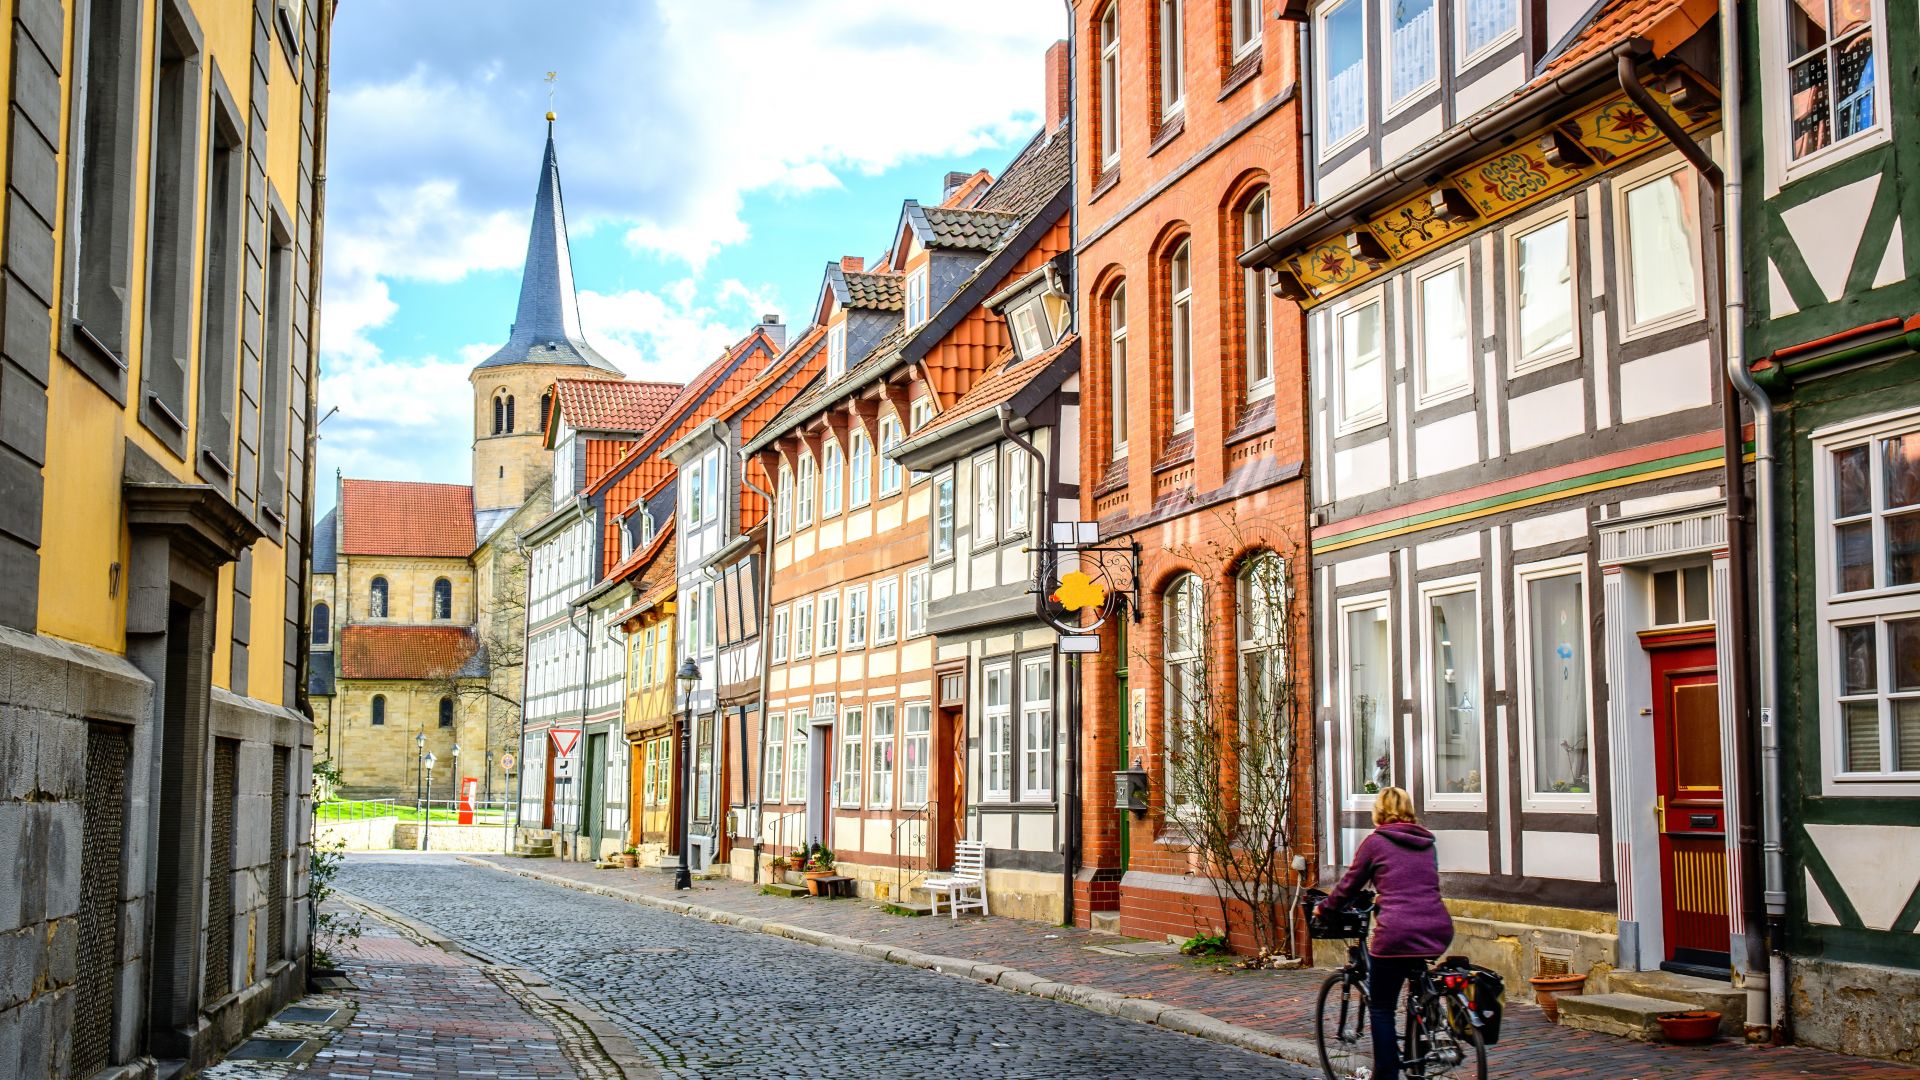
852,264
1057,86
775,330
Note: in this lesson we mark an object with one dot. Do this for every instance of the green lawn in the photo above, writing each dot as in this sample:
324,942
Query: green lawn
353,810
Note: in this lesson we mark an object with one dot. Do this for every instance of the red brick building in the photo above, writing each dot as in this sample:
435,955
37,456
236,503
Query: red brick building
1187,129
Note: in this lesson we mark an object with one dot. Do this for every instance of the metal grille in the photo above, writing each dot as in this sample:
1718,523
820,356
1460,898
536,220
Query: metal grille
219,971
103,813
277,863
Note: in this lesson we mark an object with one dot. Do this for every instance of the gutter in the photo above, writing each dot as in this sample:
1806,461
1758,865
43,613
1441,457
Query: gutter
1785,372
1743,523
1492,127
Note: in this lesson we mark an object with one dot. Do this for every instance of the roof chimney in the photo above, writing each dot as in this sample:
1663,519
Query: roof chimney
852,264
955,181
1057,73
775,330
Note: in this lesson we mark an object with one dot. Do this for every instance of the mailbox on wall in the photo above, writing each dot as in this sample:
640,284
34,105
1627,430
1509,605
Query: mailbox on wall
1130,789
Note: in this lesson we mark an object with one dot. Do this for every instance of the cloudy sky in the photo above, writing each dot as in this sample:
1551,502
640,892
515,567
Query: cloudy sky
716,154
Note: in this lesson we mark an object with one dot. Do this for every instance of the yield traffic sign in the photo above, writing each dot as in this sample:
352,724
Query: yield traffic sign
564,740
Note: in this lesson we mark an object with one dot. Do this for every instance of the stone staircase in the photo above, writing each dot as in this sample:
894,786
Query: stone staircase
1634,1001
534,848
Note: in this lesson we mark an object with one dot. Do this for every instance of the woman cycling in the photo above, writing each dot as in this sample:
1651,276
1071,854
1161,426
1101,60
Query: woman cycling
1410,927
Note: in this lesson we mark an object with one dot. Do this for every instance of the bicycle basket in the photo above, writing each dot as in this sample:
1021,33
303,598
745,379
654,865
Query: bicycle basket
1343,924
1486,994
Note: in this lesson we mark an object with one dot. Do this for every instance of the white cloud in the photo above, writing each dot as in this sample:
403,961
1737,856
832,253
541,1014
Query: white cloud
665,335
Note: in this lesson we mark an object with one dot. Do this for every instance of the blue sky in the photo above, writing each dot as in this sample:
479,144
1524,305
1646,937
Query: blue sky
715,155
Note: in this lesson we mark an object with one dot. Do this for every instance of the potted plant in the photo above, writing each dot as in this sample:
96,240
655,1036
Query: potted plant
1549,985
819,865
778,867
630,858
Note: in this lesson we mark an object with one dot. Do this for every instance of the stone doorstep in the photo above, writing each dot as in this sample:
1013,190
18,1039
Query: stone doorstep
777,888
1629,1015
1104,922
1697,992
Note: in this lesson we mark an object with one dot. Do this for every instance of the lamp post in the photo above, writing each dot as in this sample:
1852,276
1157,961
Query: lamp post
689,676
459,789
426,823
420,758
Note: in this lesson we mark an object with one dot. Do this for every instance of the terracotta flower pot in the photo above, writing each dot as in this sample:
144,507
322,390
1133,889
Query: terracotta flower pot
1690,1027
1548,988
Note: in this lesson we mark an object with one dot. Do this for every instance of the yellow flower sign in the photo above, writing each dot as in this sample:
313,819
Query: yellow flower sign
1078,592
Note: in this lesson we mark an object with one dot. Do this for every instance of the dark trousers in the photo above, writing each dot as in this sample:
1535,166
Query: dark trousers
1386,981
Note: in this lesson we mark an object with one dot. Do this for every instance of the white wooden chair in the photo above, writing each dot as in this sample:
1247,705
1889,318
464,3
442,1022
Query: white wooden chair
966,885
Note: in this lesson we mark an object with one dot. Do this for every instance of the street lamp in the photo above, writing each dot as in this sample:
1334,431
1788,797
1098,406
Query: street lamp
689,676
420,754
426,825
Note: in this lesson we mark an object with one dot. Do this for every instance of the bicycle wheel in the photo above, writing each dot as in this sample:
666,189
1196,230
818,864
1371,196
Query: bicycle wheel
1340,1025
1447,1045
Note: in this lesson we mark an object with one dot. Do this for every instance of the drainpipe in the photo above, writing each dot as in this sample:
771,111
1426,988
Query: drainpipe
1743,525
766,613
586,678
1070,842
317,235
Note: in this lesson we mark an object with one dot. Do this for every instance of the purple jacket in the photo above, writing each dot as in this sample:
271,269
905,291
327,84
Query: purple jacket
1398,860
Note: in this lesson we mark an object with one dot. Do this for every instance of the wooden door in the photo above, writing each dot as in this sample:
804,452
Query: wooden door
949,783
546,796
1691,808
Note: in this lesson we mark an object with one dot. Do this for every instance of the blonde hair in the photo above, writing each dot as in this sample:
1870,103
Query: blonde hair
1391,805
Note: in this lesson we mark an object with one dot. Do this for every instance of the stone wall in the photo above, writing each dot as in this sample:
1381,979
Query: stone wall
1862,1009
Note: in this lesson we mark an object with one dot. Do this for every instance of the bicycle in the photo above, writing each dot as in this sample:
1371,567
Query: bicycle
1443,1030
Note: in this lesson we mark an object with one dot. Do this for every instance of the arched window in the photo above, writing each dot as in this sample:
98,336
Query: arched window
442,598
499,413
379,710
1186,690
1180,334
446,712
509,414
1117,366
322,625
377,599
1256,221
546,410
1109,103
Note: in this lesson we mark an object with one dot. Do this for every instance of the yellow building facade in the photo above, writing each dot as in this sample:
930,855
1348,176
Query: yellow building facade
158,312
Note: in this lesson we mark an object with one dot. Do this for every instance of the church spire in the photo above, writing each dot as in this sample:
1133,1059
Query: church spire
546,327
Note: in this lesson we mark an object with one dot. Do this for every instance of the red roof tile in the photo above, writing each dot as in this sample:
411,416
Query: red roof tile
396,517
1664,23
996,387
404,652
610,405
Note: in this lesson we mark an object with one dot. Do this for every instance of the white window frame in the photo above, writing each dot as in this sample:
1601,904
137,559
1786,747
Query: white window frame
1551,801
1108,27
649,640
805,483
1782,167
886,610
1256,298
908,736
986,500
859,470
850,779
892,476
832,479
696,503
880,781
996,733
1173,46
1117,380
1395,106
916,306
803,629
1018,499
799,761
1334,342
1434,798
783,516
1631,328
1353,796
774,781
1518,364
919,583
943,537
1038,738
780,635
1180,365
1028,327
1833,610
1173,662
1469,57
1320,41
1423,397
826,634
1245,27
854,601
836,350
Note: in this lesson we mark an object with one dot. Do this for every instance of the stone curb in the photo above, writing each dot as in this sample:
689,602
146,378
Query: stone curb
1141,1010
619,1049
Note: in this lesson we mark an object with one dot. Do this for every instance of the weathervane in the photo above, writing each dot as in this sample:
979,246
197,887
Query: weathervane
553,84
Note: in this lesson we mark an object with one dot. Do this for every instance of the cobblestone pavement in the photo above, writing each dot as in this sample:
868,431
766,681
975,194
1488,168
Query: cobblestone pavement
418,1012
711,1001
1274,1002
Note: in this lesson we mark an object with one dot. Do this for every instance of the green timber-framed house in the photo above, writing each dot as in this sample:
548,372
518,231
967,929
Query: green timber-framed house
1833,331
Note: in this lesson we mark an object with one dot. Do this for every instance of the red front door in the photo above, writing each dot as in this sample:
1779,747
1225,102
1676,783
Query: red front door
1691,810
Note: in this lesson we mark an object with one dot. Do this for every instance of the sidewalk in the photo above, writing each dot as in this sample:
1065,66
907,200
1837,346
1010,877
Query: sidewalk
418,1010
1269,1011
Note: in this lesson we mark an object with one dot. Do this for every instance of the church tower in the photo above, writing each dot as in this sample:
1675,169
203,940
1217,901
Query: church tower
512,389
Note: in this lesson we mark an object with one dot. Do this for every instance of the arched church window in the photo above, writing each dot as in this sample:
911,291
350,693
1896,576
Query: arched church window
509,414
442,599
499,413
322,625
377,599
446,712
379,710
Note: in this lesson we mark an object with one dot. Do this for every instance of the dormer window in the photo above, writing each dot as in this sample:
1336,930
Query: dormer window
645,527
836,351
1032,334
917,297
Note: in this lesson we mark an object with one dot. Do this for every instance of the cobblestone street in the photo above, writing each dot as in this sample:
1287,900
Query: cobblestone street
706,1000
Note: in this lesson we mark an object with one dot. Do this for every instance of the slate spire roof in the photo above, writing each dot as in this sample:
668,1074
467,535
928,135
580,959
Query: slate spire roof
546,328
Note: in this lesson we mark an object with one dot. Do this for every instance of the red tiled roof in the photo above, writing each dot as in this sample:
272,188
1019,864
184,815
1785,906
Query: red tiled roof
1664,23
609,405
396,517
404,652
997,386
